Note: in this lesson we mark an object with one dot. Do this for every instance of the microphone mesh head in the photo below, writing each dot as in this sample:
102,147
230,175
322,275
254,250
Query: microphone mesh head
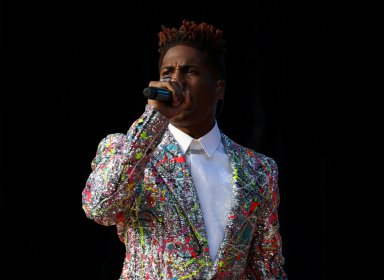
149,93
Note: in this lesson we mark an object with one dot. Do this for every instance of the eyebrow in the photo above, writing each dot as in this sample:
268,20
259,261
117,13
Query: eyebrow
179,67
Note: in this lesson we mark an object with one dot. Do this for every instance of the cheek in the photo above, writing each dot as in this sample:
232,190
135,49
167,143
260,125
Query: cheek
204,93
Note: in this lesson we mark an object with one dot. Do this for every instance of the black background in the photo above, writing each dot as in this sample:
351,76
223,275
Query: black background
74,72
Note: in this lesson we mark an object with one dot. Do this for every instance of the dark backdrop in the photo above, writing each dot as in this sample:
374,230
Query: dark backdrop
74,72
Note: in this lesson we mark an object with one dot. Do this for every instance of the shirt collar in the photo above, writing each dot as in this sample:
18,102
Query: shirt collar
209,141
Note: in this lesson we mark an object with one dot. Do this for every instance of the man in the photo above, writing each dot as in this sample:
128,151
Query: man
188,202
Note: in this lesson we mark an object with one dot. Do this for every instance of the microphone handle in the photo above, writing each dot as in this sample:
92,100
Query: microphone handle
160,94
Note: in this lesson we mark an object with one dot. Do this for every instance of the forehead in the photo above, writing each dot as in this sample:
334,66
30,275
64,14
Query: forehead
181,55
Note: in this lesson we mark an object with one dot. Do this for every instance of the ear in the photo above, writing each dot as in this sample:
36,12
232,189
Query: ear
220,89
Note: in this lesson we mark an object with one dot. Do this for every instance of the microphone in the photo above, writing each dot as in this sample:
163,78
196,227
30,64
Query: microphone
156,93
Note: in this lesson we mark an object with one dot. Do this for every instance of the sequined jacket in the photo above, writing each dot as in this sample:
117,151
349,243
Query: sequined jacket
140,182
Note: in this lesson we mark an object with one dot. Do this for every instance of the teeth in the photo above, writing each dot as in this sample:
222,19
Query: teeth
166,79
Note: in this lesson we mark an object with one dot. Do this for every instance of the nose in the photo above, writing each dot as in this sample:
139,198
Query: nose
178,76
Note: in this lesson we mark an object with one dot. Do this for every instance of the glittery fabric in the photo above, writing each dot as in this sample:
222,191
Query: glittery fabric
141,183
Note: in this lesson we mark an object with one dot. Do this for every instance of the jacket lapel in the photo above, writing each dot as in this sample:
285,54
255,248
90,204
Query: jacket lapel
172,167
241,218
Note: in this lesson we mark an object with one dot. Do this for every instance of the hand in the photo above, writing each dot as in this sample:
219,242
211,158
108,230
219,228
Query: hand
179,103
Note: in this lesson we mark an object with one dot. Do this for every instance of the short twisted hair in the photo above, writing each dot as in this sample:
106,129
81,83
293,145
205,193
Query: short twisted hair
204,37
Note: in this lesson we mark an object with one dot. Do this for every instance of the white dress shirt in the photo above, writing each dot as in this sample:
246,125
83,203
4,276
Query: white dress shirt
212,174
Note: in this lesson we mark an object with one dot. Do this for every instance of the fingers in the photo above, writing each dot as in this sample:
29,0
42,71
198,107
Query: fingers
174,86
177,96
180,99
187,98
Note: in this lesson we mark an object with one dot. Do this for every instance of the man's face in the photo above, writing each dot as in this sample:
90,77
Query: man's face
186,65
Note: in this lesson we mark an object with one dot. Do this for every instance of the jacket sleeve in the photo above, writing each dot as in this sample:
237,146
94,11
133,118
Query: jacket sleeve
118,167
265,260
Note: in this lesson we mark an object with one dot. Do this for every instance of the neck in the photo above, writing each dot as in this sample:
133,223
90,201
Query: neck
195,131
